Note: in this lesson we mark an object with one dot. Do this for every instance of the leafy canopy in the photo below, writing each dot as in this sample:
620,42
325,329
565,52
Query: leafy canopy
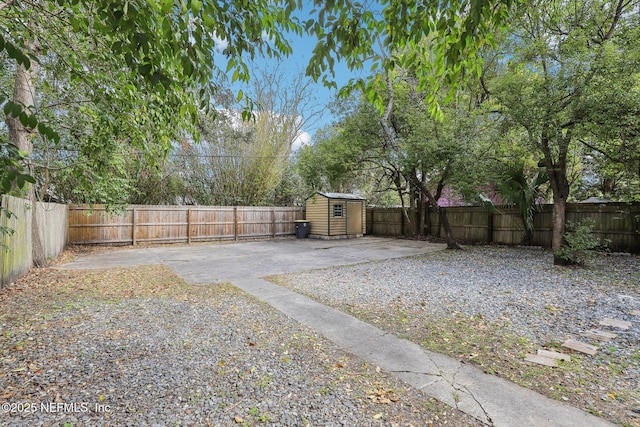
138,70
438,40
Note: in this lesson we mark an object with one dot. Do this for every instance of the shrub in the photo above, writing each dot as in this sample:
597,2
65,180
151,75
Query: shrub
580,245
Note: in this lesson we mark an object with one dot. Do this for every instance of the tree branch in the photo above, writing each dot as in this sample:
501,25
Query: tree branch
384,121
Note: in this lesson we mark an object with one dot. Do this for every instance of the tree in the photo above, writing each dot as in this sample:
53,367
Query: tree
408,151
343,153
245,162
561,55
160,52
438,41
524,193
436,45
432,152
167,46
141,37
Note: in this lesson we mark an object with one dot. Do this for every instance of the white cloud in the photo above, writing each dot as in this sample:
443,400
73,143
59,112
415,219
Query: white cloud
221,44
301,140
265,37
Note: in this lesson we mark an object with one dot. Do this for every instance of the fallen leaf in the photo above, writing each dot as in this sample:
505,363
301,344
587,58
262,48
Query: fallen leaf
377,416
238,419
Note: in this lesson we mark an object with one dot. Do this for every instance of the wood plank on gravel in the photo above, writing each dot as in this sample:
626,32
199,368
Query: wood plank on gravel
541,360
621,324
554,355
580,346
599,335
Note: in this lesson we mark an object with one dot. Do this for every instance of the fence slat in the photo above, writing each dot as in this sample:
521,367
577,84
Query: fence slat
188,225
133,227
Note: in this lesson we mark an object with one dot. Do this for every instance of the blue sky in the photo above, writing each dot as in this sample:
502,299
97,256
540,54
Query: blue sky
294,65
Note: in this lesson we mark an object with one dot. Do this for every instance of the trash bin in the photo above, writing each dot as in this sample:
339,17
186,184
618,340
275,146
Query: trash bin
302,229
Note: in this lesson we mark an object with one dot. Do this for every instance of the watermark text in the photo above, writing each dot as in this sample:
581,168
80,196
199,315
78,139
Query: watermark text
53,407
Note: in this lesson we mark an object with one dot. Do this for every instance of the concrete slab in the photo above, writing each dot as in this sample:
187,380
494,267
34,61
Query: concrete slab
493,400
227,260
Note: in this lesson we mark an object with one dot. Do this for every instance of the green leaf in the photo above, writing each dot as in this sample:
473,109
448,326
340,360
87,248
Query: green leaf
13,109
24,119
6,184
145,69
196,6
11,50
20,181
32,121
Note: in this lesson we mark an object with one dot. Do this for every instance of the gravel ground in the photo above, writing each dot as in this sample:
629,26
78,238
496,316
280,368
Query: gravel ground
511,296
133,347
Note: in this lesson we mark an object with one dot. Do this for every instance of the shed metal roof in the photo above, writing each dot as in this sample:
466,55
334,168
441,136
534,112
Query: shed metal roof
346,196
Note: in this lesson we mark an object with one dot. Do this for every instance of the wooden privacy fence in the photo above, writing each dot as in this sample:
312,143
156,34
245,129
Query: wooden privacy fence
617,222
166,224
16,251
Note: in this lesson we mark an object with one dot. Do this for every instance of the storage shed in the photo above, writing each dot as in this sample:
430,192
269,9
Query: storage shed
336,215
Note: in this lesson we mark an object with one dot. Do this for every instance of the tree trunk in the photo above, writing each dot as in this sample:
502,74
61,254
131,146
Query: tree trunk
422,204
557,173
560,188
442,215
557,240
423,214
427,220
22,137
23,94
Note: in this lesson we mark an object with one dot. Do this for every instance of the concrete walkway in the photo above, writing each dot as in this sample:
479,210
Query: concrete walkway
493,400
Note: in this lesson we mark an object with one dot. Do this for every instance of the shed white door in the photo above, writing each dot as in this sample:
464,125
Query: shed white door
354,217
